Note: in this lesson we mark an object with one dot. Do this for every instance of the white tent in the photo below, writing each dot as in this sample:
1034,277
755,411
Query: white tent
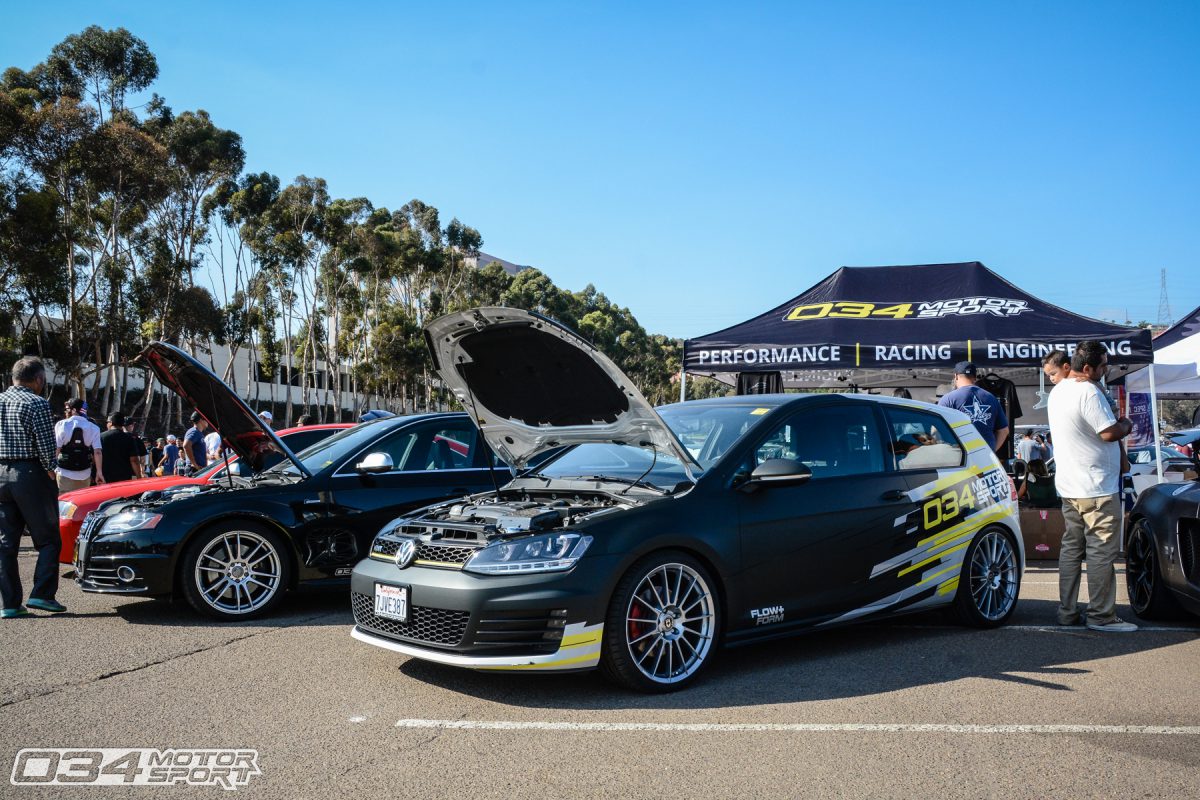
1176,361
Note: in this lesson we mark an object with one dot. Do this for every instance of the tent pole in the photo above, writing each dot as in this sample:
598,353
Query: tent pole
682,384
1154,424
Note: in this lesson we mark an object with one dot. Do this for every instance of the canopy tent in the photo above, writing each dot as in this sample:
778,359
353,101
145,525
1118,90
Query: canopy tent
904,325
1176,361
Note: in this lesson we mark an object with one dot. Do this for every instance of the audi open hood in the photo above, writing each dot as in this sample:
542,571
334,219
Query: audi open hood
532,385
240,428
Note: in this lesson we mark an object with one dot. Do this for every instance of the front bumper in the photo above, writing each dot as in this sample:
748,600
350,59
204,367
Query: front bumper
548,622
134,563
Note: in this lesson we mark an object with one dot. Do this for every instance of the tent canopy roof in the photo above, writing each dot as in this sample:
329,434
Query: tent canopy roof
909,318
1176,357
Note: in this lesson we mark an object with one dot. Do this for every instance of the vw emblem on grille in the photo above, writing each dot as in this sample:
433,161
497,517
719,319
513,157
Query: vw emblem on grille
405,553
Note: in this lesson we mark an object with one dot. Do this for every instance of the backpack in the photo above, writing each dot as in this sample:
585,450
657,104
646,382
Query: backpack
75,455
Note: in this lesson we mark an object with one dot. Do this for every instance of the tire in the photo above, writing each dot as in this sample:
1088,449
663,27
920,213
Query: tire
990,581
1149,596
663,624
235,570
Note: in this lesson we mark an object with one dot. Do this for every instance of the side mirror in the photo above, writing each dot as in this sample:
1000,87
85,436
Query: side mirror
375,462
776,472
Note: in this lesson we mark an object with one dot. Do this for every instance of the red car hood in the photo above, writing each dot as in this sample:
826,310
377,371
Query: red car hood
90,498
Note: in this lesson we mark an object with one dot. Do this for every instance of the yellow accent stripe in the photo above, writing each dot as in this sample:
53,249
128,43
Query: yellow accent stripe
424,563
379,557
971,443
971,523
961,424
949,586
939,573
969,350
858,354
931,559
950,480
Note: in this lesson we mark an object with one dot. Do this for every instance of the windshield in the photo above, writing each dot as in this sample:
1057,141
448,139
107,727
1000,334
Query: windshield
333,449
708,431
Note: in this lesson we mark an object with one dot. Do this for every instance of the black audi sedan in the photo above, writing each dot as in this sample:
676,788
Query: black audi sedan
1162,551
234,548
655,536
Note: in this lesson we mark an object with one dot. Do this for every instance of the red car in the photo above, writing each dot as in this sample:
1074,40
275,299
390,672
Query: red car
74,506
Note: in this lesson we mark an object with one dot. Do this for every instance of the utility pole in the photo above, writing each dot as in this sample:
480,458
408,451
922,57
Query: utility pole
1164,307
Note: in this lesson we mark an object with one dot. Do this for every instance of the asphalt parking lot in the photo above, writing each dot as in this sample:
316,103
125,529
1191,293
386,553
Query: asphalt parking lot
914,708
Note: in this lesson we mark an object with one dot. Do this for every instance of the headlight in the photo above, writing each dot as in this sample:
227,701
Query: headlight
66,509
552,552
138,519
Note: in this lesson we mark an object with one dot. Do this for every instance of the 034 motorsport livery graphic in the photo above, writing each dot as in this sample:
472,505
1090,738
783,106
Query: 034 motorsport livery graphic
913,317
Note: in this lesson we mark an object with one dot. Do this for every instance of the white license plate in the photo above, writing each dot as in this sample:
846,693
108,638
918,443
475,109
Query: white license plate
391,602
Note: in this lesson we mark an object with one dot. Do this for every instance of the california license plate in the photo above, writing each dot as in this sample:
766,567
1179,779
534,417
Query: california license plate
391,602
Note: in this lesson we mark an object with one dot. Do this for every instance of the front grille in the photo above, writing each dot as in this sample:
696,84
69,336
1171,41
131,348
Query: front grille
439,552
444,553
523,631
1189,549
438,626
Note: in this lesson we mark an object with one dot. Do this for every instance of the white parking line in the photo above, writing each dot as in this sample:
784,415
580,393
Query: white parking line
799,727
1052,628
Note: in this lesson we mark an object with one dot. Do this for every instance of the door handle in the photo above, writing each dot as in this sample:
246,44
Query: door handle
894,494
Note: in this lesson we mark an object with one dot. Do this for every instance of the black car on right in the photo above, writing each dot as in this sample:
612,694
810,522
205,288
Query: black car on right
1162,551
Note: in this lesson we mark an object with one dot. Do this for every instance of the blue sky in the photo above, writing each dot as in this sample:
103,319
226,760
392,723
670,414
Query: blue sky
702,163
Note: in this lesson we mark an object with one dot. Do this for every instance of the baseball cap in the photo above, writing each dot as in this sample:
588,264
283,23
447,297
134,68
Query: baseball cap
266,415
965,368
171,437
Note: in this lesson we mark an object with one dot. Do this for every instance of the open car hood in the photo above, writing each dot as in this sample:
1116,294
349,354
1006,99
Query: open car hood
532,385
240,428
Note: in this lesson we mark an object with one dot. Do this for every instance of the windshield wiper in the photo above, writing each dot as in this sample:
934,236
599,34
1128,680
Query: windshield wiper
628,481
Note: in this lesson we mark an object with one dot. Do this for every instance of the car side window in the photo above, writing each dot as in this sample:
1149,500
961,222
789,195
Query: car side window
430,447
831,441
921,440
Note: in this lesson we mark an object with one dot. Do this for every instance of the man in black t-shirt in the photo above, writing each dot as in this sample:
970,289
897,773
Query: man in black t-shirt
121,461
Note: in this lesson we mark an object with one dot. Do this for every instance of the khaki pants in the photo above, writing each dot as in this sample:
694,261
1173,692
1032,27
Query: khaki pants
71,484
1094,526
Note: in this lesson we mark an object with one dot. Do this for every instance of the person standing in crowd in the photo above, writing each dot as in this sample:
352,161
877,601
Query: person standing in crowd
979,404
213,446
1028,448
28,496
170,455
1088,478
78,441
139,449
266,417
156,456
304,421
1056,366
1047,447
193,443
120,450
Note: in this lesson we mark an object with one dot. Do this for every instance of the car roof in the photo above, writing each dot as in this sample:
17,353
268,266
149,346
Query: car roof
778,400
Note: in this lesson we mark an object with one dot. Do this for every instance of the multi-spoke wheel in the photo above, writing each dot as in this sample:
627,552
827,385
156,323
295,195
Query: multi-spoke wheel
990,580
234,571
1148,595
662,625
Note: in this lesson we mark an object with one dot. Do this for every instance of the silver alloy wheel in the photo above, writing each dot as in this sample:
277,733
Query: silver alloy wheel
238,572
993,575
669,623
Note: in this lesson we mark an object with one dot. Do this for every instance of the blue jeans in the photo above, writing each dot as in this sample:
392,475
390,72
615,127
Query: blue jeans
28,497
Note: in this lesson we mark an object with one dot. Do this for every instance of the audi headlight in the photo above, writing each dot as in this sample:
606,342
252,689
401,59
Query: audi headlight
136,520
66,509
552,552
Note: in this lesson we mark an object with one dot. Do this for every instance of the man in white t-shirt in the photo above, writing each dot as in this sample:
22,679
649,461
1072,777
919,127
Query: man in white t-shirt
1088,478
74,456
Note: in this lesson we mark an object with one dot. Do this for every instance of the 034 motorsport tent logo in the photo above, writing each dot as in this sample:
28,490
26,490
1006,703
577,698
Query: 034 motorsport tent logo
937,309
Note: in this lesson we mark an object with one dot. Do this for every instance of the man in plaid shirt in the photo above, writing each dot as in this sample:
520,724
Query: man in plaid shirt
28,496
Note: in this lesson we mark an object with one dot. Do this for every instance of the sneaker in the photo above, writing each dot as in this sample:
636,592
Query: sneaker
13,613
46,605
1116,626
